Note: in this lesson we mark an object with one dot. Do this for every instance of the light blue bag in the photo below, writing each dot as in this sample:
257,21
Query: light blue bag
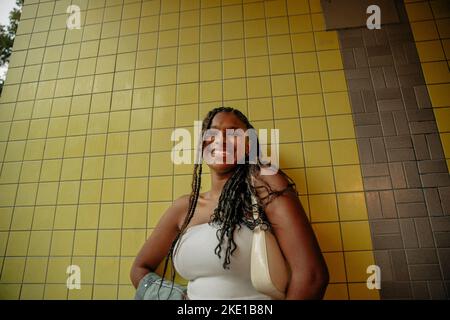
149,286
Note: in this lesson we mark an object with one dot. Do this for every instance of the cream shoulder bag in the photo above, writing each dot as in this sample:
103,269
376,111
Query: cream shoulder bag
269,270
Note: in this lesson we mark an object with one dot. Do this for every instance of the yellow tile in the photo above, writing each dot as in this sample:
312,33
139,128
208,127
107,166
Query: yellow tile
305,62
233,48
55,292
255,28
275,8
136,189
359,291
340,127
317,153
68,192
291,155
311,105
330,60
336,266
112,190
303,42
283,85
356,235
445,139
300,23
289,130
62,242
356,263
419,11
115,166
87,216
314,129
210,91
337,103
279,44
285,107
320,180
125,267
139,141
108,243
424,30
260,109
336,291
308,83
256,46
442,119
161,164
137,165
19,130
10,172
326,40
43,218
232,30
318,22
13,270
90,191
298,175
106,271
160,189
32,292
328,236
315,6
5,218
39,243
297,7
234,68
26,194
439,94
436,72
155,212
258,87
93,167
164,96
141,119
323,208
333,81
348,178
281,64
253,10
18,243
47,193
277,25
234,89
159,140
430,51
85,243
257,66
111,216
144,78
134,215
132,241
344,152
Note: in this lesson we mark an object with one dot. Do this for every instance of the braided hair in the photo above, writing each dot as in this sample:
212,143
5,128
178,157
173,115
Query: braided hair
234,204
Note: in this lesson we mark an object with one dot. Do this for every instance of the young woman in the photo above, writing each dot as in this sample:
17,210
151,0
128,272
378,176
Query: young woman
208,235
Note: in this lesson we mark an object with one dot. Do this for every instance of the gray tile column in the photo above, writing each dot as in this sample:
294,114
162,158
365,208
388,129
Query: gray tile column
405,175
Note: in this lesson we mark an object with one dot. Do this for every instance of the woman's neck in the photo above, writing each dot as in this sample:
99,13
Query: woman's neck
218,180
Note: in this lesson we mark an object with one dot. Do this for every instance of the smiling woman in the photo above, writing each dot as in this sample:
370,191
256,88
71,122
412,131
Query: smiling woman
208,236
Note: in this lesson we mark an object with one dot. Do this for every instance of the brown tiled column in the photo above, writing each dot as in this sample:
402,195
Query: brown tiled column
405,175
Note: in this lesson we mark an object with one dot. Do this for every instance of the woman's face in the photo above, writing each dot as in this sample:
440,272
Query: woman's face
221,122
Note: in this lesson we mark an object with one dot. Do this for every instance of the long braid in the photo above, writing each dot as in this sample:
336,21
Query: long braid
234,204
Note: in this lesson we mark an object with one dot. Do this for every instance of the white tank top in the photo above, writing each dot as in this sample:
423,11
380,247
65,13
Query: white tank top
208,280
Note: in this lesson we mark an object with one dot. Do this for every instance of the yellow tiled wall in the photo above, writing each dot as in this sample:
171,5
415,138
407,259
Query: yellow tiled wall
86,117
430,23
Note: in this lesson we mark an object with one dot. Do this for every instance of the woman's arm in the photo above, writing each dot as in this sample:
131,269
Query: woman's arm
157,246
297,242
